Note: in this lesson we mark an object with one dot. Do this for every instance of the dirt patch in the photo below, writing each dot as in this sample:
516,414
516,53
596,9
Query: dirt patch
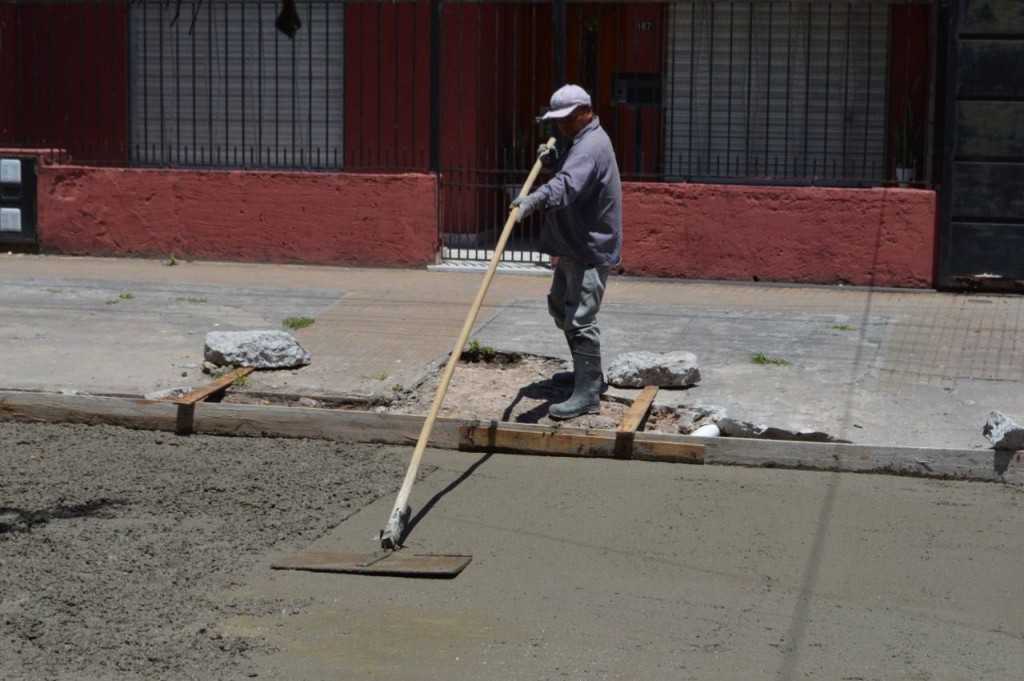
507,387
115,542
518,388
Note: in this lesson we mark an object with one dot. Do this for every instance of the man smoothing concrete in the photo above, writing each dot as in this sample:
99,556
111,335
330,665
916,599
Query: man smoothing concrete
583,229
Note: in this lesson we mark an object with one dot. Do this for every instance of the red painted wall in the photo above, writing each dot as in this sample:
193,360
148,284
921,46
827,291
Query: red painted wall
864,237
879,237
245,216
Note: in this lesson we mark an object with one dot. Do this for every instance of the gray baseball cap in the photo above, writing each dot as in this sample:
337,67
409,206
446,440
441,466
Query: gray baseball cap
565,100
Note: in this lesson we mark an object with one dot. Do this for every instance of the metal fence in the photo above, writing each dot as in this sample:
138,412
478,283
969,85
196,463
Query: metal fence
835,92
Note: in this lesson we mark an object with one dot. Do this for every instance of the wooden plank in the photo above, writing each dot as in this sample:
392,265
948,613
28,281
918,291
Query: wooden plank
625,434
214,387
224,419
88,409
355,426
521,438
639,410
399,429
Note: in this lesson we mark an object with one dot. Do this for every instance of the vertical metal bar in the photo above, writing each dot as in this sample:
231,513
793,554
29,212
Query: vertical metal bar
870,72
728,105
398,94
828,86
769,89
245,43
558,29
145,79
177,91
711,79
209,76
193,89
309,95
362,95
435,88
846,88
327,87
413,127
227,83
277,103
95,86
690,103
259,85
130,110
807,90
293,116
945,264
160,75
379,89
789,83
750,82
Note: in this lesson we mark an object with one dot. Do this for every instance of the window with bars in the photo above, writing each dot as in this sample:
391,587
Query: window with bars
777,90
213,84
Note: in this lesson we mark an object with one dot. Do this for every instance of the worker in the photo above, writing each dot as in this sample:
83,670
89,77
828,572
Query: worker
582,204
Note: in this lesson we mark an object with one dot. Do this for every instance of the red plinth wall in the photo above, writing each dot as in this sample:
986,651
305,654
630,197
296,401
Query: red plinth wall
864,237
869,237
310,218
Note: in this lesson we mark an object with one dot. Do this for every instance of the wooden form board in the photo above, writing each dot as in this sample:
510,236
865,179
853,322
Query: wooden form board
398,429
527,439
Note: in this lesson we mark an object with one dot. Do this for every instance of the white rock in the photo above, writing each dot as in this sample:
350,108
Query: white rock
667,370
258,349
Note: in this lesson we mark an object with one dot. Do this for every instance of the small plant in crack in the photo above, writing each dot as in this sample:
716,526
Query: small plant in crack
763,359
296,323
475,352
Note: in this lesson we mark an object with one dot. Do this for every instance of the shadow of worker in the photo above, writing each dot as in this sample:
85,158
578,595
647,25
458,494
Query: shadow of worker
547,391
422,513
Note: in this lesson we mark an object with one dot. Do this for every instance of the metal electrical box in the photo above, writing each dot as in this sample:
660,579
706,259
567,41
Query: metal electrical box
637,89
17,200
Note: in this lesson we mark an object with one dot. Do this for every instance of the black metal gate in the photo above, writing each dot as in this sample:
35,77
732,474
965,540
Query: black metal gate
981,238
824,93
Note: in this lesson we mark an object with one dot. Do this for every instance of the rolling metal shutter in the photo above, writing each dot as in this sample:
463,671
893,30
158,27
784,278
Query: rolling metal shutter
216,85
777,90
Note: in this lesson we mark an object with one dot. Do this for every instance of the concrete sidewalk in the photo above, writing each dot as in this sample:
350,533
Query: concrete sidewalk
893,367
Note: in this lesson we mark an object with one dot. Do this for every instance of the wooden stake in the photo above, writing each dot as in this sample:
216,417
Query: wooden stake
633,421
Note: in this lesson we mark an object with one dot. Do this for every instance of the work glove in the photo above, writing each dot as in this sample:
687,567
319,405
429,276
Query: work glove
526,205
548,156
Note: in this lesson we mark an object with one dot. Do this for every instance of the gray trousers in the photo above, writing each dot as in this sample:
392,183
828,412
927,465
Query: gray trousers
575,299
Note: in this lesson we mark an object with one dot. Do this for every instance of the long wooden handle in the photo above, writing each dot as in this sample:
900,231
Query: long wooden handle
392,531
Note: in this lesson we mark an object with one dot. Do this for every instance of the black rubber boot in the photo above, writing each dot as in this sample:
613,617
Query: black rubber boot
566,377
586,395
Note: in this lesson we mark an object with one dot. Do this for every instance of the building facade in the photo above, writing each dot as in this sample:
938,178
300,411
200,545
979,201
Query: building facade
777,140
